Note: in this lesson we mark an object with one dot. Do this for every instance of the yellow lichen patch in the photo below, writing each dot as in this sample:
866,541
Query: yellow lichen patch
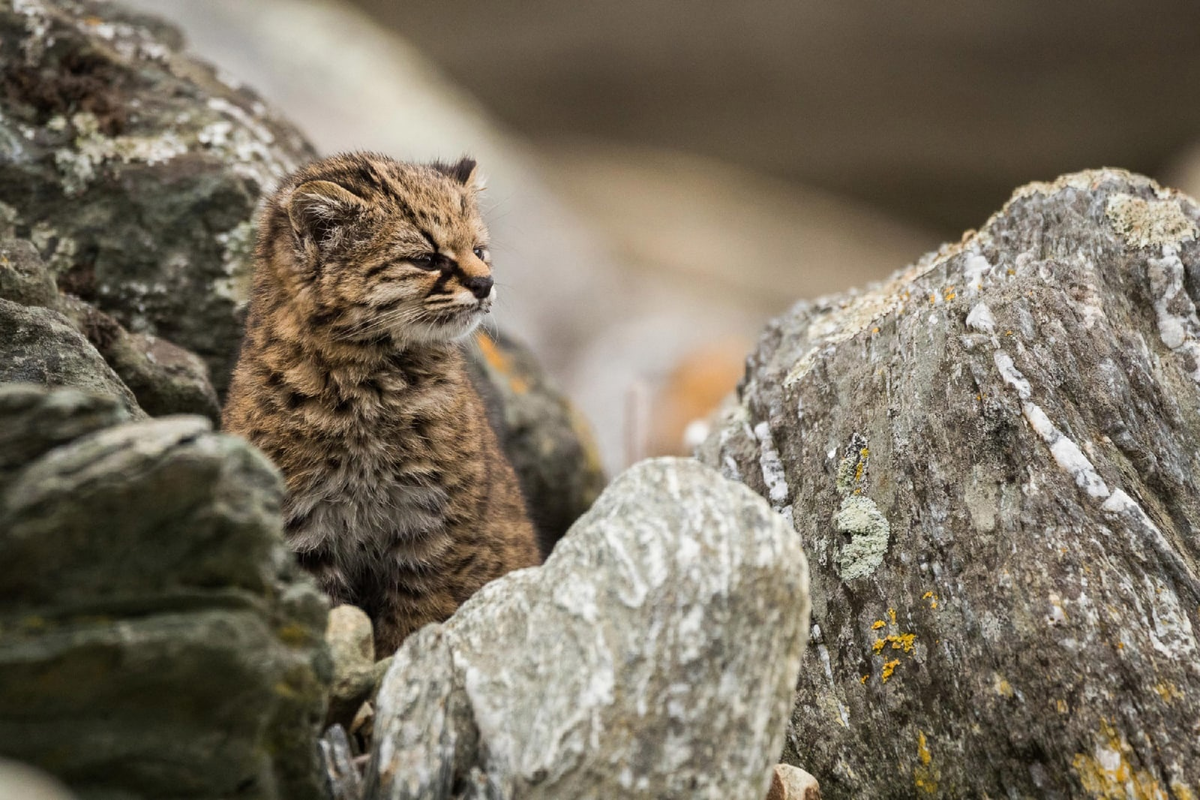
878,645
878,624
932,598
1107,774
863,680
925,774
1182,791
888,668
1168,691
1061,706
892,615
1001,686
293,634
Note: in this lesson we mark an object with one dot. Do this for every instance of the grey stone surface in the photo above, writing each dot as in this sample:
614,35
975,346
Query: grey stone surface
990,460
653,655
156,639
164,378
41,346
134,169
544,436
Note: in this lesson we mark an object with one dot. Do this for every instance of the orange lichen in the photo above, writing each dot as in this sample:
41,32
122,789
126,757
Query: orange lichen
1108,773
925,774
877,624
501,362
888,668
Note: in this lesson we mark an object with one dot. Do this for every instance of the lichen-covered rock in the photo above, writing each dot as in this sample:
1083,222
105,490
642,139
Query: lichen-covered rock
548,442
156,638
41,346
653,655
991,461
134,169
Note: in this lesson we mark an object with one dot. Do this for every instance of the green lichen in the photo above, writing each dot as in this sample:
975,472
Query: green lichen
858,516
869,533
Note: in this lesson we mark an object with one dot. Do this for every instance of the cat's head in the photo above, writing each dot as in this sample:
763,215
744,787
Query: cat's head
388,249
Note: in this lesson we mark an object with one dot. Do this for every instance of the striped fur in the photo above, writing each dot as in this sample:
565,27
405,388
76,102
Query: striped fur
350,378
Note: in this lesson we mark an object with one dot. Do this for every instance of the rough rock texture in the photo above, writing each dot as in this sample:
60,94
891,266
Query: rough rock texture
991,463
653,655
156,640
134,169
41,346
164,379
543,435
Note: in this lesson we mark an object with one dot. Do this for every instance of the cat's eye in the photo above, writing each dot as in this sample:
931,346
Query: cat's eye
481,253
423,261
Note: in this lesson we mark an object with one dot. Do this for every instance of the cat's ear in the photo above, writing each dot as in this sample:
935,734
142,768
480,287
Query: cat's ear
318,210
463,171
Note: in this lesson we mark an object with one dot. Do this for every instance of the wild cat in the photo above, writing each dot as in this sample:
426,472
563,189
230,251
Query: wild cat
399,499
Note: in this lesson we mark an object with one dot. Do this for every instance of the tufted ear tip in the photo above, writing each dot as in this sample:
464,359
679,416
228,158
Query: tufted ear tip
463,171
318,209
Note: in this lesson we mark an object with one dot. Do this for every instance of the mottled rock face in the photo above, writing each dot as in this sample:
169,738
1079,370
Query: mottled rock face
653,655
134,169
990,461
155,637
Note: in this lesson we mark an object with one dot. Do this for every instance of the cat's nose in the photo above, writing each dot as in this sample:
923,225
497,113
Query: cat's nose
480,287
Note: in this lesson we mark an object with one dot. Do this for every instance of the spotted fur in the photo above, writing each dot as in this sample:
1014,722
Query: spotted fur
368,272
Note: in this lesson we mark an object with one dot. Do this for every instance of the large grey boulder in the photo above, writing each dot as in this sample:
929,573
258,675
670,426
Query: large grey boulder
158,639
136,170
653,655
991,461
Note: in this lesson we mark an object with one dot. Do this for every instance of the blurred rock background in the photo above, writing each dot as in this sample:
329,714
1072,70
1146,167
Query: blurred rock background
665,177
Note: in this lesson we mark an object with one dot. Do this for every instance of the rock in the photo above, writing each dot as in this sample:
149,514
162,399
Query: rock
342,779
793,783
23,277
134,169
158,639
41,346
991,462
653,655
546,439
26,783
37,421
164,379
352,648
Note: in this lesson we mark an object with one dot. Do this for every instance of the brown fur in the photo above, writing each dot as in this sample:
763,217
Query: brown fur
350,378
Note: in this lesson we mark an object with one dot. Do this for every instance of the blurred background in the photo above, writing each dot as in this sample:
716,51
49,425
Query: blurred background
665,177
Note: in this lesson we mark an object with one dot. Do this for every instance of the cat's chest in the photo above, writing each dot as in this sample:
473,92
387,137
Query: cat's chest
381,486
